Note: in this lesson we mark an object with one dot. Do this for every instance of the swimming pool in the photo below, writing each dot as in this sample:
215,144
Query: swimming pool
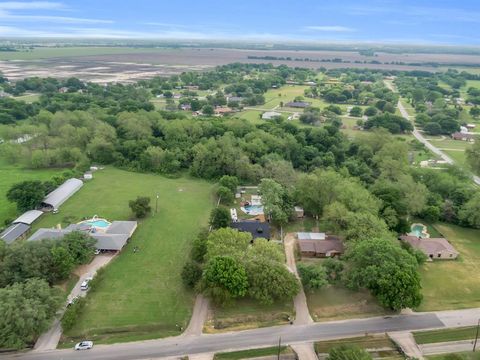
97,223
252,209
419,230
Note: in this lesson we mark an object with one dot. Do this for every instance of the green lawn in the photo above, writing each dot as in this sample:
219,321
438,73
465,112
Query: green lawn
141,295
453,284
368,342
247,314
10,175
445,335
252,353
464,356
335,303
28,98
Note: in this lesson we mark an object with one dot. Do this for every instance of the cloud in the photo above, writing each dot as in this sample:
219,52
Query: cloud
334,28
32,5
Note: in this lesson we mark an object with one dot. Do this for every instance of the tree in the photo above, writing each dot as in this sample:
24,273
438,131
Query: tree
348,352
26,194
387,270
230,182
433,128
473,156
63,262
220,218
224,279
356,111
313,276
199,246
228,241
79,246
270,281
475,112
208,110
225,195
140,207
333,269
469,213
276,202
27,310
191,273
371,111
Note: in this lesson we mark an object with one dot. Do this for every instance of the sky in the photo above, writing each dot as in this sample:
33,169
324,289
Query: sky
378,21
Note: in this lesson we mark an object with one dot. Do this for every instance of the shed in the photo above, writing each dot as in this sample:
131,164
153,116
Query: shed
13,232
28,217
61,194
299,212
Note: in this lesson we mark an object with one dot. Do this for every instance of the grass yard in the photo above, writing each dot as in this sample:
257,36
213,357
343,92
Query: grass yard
11,174
28,98
464,356
252,116
453,284
445,335
336,303
248,314
369,342
253,353
141,295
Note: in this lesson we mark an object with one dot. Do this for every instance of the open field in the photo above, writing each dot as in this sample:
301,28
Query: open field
141,295
336,303
453,284
127,64
247,314
10,175
444,335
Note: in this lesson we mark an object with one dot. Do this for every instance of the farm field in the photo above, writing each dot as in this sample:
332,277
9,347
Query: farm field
459,289
141,294
11,174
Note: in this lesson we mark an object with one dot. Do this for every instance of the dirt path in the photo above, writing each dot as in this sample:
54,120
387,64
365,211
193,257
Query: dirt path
302,315
305,351
407,343
49,340
199,316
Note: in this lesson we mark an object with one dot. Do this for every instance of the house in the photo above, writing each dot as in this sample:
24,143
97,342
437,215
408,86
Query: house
186,107
471,126
270,115
88,175
299,213
298,104
14,232
191,87
61,194
463,136
256,228
434,248
223,110
63,90
113,238
28,217
319,245
238,99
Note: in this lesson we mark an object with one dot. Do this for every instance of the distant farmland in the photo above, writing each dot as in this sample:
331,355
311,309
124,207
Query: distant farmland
124,64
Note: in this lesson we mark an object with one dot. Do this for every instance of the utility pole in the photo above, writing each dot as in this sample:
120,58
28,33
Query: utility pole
476,336
279,344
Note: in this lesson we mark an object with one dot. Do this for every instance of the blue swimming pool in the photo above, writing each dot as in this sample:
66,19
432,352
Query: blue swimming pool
98,223
253,209
419,230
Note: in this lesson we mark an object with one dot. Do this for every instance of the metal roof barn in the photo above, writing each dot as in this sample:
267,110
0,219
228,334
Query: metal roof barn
28,217
61,194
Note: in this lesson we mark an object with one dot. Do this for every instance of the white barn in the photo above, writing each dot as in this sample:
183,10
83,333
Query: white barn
61,194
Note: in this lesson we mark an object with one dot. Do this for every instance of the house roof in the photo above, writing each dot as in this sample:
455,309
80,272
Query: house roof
429,245
299,104
28,217
330,244
42,234
311,236
13,232
270,114
58,196
256,228
460,135
110,241
122,227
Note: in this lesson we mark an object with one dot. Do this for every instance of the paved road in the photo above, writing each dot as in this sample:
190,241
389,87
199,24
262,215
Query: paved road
183,345
418,135
305,351
49,340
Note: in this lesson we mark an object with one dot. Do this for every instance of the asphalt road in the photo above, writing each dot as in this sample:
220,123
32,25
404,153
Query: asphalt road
183,345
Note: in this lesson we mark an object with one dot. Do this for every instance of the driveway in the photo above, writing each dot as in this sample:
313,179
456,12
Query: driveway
49,340
302,315
199,316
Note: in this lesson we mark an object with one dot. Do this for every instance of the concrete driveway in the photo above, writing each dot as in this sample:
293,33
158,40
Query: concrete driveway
49,340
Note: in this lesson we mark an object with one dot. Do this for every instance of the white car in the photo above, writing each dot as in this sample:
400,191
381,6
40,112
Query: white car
84,285
84,345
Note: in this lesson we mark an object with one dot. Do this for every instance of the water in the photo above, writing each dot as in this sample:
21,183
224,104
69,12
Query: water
98,223
253,209
418,230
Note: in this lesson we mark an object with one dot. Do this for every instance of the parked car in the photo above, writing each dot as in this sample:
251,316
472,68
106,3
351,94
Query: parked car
84,345
97,251
84,285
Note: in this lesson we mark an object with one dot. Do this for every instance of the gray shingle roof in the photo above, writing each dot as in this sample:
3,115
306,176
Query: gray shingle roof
122,227
13,232
28,217
42,234
58,196
110,241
